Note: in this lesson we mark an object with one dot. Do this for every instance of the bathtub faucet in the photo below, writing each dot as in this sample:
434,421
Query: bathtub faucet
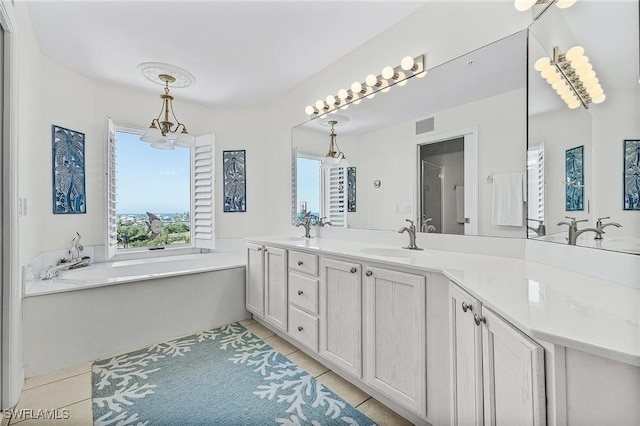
54,271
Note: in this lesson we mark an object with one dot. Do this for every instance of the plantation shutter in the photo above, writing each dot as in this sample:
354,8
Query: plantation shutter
535,169
335,195
110,190
203,192
294,185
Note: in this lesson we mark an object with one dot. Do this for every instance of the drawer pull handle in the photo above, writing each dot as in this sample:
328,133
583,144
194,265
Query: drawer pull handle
368,273
299,262
300,328
478,319
299,292
467,306
354,270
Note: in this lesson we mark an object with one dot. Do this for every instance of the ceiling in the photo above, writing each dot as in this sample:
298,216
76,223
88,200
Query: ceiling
240,52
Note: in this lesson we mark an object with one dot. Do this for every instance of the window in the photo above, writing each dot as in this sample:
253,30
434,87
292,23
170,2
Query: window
175,186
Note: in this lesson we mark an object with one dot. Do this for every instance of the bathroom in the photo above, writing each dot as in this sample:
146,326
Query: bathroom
49,330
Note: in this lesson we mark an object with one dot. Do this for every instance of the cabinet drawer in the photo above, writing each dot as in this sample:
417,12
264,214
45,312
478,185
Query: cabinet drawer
303,327
303,262
303,292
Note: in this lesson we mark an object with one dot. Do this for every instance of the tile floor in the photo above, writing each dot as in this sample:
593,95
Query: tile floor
69,390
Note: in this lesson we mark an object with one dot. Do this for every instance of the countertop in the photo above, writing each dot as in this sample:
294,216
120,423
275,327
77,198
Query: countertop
547,303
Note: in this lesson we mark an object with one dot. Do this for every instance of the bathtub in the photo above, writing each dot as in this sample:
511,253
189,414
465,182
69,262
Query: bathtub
124,271
106,308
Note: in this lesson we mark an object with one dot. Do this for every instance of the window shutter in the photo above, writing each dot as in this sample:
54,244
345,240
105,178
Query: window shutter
535,169
294,185
110,191
203,192
335,195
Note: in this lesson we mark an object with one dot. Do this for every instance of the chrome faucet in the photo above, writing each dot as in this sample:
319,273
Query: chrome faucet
601,226
306,222
574,233
411,230
540,230
323,223
426,226
54,271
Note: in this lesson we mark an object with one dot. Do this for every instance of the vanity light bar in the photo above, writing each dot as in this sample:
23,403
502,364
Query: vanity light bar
522,5
409,67
572,77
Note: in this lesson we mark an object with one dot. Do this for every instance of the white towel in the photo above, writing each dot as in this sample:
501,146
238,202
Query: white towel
508,200
460,203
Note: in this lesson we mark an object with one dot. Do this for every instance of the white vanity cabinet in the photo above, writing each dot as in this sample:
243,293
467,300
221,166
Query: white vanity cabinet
266,284
303,298
497,371
341,314
395,336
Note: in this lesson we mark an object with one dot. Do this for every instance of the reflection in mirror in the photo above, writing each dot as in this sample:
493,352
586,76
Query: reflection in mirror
608,32
479,99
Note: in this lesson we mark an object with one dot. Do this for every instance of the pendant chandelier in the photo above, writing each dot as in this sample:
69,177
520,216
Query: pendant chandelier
335,157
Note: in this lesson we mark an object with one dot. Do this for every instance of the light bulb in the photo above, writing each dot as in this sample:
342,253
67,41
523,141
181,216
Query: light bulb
343,94
574,53
591,85
599,99
522,5
579,62
345,106
402,79
371,80
421,74
309,110
388,73
356,87
384,86
356,102
563,4
548,72
406,63
588,75
584,69
542,64
331,100
319,105
553,78
574,104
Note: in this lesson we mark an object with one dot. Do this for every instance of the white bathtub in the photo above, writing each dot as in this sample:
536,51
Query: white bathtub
123,271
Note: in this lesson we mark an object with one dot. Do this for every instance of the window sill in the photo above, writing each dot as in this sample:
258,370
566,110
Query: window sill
145,253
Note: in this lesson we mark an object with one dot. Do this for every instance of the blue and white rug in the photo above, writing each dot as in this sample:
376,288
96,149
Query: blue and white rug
225,376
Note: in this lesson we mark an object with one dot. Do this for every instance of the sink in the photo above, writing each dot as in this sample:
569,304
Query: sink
292,238
388,252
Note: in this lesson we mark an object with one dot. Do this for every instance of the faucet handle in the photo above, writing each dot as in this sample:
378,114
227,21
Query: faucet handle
565,223
535,220
600,219
410,221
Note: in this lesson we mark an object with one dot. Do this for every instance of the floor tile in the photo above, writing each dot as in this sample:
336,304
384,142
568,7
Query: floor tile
246,322
280,345
308,364
350,393
78,414
57,394
43,379
382,415
259,330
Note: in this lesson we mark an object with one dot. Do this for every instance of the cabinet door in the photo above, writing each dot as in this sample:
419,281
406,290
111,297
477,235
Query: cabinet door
255,280
466,358
341,315
513,374
275,285
395,336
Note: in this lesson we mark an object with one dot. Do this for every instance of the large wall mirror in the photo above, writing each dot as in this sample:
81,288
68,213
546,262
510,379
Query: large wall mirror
438,148
576,157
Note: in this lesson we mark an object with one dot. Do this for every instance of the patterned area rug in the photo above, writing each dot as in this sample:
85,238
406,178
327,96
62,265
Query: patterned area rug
225,376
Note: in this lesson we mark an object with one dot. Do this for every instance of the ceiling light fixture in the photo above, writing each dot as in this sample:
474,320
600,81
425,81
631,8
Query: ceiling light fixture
335,157
523,5
409,67
572,76
163,133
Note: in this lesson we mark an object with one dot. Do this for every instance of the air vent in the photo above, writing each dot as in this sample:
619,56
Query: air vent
426,125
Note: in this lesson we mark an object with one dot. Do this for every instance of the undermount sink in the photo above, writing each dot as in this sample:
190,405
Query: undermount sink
388,252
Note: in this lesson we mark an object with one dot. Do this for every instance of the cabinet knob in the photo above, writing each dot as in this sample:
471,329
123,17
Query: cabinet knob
467,306
354,270
299,292
478,319
259,248
368,273
300,328
265,249
299,262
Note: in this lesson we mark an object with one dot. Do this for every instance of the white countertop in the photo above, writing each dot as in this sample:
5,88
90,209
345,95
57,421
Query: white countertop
547,303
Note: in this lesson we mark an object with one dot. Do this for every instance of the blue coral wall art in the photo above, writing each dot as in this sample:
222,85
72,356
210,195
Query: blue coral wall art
351,189
68,164
574,184
234,181
631,176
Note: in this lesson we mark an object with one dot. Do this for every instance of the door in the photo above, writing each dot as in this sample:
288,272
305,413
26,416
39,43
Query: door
275,285
395,345
466,358
255,280
513,374
341,314
431,195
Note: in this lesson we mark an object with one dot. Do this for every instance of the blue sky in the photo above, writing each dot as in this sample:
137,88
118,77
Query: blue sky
308,177
149,179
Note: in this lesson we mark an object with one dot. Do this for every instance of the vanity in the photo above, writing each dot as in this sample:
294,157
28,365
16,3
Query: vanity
447,337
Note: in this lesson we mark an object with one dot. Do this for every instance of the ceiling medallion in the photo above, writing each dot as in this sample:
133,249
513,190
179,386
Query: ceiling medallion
152,70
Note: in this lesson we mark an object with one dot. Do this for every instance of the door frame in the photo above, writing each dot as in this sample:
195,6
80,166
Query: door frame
470,135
